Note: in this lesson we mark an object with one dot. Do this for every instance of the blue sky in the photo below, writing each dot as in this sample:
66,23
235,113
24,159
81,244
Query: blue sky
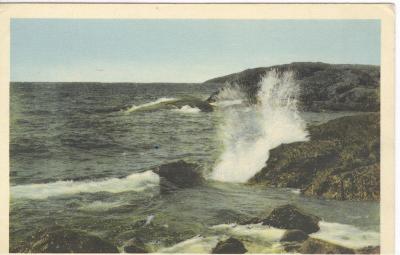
180,50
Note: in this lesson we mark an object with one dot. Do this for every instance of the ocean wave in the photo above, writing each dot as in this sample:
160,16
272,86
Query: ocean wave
187,109
226,103
197,244
346,235
134,182
100,206
248,134
150,104
254,232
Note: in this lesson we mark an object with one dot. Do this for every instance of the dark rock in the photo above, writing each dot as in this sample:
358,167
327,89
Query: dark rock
341,160
135,246
179,174
254,220
317,246
60,240
291,217
229,246
322,86
294,235
369,250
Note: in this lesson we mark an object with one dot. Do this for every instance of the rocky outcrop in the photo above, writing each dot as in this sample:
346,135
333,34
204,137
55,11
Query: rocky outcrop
60,240
229,246
294,235
317,246
322,86
291,217
179,174
135,246
340,161
369,250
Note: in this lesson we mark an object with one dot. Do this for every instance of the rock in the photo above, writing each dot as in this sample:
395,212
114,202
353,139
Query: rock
322,86
317,246
369,250
340,161
229,246
254,220
294,235
135,246
179,174
291,217
60,240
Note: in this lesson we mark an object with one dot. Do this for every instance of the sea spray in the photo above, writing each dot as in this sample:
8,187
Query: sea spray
250,132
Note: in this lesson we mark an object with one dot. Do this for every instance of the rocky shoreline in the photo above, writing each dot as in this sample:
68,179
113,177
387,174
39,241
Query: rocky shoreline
296,239
340,161
323,87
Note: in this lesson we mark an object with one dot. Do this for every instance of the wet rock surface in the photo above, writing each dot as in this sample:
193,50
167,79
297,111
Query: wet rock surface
60,240
340,161
317,246
294,235
229,246
179,174
291,217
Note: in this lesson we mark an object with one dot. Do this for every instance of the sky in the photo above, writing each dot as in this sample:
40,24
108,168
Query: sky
180,50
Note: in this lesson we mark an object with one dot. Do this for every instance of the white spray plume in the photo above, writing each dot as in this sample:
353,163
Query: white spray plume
249,133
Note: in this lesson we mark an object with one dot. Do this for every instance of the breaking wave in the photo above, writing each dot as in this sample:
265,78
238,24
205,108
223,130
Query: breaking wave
187,109
250,132
133,182
346,235
150,104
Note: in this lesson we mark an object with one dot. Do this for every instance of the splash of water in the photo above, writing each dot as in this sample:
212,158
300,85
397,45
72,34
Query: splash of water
249,133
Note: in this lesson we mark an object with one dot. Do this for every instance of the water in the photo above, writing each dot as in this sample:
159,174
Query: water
250,132
81,156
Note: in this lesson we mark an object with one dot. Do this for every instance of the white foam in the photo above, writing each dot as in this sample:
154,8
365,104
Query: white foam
226,103
100,206
253,232
153,103
346,235
133,182
248,134
187,109
197,244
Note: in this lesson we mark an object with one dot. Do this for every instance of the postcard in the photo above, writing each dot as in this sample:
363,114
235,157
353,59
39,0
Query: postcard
197,128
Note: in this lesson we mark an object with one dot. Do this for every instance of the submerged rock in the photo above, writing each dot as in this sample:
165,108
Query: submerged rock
135,246
369,250
179,174
291,217
294,235
341,160
229,246
317,246
60,240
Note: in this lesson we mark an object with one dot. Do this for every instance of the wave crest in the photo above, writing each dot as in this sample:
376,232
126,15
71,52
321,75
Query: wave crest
134,182
150,104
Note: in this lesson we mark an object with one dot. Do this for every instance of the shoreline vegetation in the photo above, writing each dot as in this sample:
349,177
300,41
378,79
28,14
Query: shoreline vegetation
340,161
